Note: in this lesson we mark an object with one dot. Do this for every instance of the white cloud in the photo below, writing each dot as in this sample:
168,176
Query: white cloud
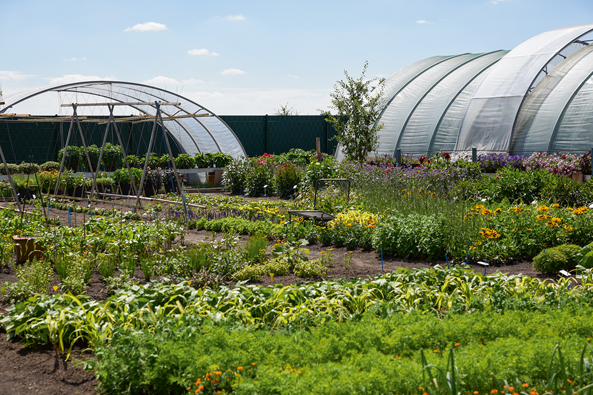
70,78
13,76
423,22
260,102
235,17
202,51
146,27
192,81
73,59
232,72
293,76
162,81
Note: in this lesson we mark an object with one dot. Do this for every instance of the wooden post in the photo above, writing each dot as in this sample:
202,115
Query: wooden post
318,145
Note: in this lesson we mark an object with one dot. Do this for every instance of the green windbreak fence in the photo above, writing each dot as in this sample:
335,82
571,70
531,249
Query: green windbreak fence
275,134
40,141
29,141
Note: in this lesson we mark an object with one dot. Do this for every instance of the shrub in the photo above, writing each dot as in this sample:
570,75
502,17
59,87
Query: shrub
12,168
235,174
260,174
412,236
286,178
49,166
551,260
28,168
316,170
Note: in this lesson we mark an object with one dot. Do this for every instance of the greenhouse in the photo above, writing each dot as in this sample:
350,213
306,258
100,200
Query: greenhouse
536,97
194,128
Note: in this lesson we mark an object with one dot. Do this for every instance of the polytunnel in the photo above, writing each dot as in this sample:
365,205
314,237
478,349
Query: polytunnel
194,128
536,97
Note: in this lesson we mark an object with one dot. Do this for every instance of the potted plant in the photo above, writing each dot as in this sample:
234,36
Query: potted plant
122,177
200,160
154,182
133,161
112,156
105,184
184,161
73,157
209,158
27,248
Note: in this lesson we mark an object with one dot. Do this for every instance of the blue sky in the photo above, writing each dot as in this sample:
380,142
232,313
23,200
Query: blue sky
250,57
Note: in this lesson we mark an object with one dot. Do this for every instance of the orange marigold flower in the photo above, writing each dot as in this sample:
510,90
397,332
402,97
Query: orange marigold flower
476,392
218,373
494,391
525,385
457,344
240,368
436,351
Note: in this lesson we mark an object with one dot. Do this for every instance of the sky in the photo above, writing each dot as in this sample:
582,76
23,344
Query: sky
252,57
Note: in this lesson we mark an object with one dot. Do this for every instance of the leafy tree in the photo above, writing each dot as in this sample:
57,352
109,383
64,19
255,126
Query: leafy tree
358,103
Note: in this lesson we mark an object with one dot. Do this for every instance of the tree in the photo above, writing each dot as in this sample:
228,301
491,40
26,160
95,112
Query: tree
285,110
358,103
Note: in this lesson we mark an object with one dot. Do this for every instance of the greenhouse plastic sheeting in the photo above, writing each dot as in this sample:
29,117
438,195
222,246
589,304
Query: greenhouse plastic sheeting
422,123
491,114
575,132
193,134
396,113
544,107
396,82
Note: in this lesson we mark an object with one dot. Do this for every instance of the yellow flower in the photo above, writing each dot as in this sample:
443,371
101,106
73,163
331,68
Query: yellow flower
568,228
489,233
555,205
485,211
543,209
498,210
478,243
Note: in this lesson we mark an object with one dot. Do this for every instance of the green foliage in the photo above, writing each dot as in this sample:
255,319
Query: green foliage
112,157
412,236
562,257
50,165
255,249
312,268
287,177
28,168
185,161
74,157
235,175
133,161
34,277
464,353
260,175
320,169
358,103
12,168
122,176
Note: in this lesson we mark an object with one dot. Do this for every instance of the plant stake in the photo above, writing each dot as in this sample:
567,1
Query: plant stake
448,267
382,259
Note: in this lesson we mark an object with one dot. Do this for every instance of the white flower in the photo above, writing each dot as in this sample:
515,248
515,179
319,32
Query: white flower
534,202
